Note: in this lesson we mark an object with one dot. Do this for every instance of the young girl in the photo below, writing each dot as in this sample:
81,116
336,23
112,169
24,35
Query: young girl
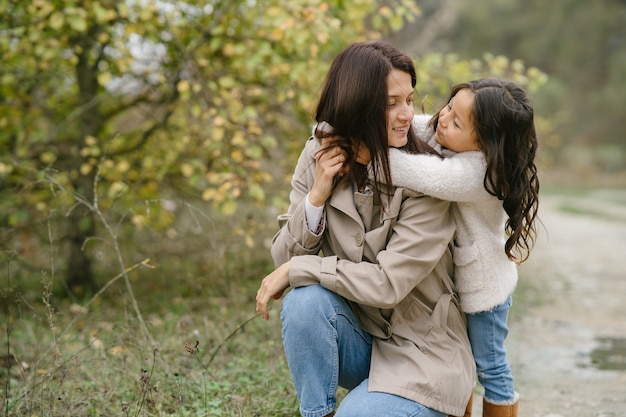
377,313
486,133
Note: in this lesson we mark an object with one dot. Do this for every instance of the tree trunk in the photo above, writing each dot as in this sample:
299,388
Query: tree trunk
80,227
81,221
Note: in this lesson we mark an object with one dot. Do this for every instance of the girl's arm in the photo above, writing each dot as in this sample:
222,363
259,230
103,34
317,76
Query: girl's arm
457,178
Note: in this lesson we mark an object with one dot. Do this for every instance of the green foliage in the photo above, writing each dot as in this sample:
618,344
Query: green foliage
436,73
123,103
582,46
213,85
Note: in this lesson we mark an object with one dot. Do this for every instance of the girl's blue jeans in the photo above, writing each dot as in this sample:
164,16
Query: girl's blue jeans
326,348
487,331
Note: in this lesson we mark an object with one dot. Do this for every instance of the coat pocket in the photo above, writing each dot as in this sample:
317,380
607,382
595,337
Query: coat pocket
437,332
468,271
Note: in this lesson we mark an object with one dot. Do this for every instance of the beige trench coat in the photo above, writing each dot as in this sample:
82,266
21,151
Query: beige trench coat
394,266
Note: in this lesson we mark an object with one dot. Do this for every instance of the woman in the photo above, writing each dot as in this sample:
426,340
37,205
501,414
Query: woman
372,306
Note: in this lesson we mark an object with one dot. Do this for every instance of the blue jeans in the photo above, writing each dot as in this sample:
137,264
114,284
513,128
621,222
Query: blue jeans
360,403
325,348
487,331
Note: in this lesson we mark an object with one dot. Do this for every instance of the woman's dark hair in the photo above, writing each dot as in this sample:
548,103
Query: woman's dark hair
354,102
503,119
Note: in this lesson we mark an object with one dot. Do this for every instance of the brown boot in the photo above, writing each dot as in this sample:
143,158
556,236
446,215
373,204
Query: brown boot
497,410
468,407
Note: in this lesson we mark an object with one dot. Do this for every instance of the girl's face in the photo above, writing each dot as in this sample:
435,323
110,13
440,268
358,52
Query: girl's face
455,129
399,107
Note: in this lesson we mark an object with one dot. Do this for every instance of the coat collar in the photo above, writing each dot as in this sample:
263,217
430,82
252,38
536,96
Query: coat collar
342,199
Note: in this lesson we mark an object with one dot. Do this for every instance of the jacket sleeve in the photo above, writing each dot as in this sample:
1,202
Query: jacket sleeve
419,238
458,178
294,237
420,125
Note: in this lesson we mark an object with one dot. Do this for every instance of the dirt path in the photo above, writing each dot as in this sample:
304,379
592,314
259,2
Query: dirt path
573,295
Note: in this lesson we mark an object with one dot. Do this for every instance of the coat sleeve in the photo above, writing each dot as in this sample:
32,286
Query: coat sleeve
294,237
419,238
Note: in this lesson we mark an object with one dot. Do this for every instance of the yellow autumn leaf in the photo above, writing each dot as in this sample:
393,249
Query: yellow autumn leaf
56,20
85,169
91,140
122,10
226,82
396,23
78,23
116,189
229,49
104,78
42,7
117,350
225,187
208,194
139,221
218,134
273,11
186,170
47,157
183,86
101,14
385,11
276,34
123,166
236,155
219,121
257,192
229,207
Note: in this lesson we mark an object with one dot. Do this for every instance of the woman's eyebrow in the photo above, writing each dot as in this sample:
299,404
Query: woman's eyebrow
399,95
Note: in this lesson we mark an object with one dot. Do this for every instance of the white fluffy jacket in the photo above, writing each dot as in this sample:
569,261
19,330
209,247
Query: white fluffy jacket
484,275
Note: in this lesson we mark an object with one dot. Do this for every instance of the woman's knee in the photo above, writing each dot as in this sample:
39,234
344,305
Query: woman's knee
307,302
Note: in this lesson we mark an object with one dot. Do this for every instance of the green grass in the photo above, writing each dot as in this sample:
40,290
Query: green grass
211,356
605,204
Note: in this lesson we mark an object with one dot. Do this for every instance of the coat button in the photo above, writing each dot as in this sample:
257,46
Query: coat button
358,239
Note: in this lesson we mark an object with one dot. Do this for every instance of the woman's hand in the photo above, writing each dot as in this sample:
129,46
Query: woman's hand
272,286
329,162
362,154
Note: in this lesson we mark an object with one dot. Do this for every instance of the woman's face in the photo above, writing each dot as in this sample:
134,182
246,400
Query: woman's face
455,129
399,107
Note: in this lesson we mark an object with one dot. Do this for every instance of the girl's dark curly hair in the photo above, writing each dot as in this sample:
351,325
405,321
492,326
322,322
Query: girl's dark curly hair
503,118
